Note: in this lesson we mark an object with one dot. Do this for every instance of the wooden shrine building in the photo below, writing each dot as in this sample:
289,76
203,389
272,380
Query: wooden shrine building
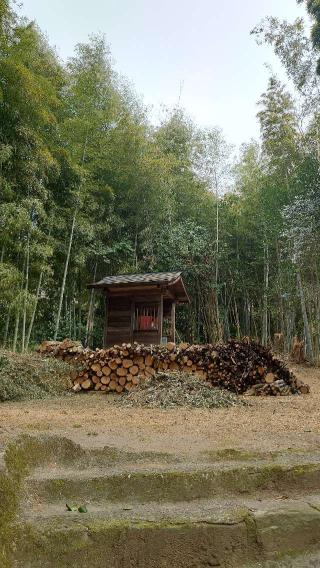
141,307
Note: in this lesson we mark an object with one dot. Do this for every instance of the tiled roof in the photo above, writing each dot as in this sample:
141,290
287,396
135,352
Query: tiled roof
149,278
172,280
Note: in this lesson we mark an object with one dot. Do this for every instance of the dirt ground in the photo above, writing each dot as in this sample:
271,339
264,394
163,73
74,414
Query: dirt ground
92,419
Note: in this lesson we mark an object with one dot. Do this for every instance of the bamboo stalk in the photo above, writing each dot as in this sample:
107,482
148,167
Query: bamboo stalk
66,266
34,310
307,332
6,330
90,315
25,302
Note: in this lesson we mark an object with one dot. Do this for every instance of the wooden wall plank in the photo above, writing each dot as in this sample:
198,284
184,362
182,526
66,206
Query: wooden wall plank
120,319
146,337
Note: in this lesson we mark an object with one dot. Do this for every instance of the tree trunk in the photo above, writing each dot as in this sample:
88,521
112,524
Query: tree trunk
16,330
25,299
289,329
66,266
70,316
90,311
247,316
34,310
217,257
74,316
317,315
18,308
6,330
135,258
79,319
265,295
281,325
305,318
237,320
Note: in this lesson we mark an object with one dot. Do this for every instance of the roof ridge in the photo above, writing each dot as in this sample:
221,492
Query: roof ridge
144,273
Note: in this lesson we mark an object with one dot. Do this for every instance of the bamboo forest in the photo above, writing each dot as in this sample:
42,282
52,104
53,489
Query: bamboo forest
90,186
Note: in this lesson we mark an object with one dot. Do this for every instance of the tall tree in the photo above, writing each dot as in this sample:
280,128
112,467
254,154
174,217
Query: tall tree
313,8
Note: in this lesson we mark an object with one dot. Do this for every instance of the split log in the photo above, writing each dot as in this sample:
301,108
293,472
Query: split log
148,360
270,378
121,372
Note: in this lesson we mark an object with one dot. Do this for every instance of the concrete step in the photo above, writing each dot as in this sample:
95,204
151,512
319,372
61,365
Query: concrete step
136,484
54,450
195,534
148,510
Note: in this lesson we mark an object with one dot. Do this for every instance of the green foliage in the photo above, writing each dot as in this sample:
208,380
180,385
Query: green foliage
25,377
313,7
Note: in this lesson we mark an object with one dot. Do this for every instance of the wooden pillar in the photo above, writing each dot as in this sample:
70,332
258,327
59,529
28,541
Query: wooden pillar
160,318
173,322
106,321
132,325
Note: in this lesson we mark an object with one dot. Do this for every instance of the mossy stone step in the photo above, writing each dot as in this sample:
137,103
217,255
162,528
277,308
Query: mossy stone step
162,521
48,449
171,485
201,536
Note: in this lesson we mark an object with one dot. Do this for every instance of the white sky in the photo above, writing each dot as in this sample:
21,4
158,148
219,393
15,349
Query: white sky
203,45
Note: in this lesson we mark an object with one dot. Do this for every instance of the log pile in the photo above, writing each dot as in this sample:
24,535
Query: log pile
243,367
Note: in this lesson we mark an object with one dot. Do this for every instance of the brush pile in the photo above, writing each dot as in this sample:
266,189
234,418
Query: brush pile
26,377
242,367
171,389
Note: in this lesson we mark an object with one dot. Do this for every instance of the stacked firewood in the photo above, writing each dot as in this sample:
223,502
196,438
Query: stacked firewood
239,366
66,349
